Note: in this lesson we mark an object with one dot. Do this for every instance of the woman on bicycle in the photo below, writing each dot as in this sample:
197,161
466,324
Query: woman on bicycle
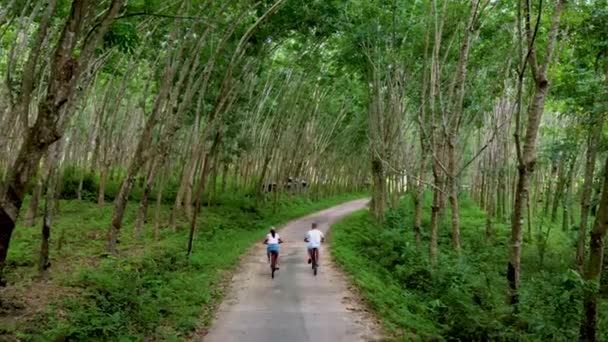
272,241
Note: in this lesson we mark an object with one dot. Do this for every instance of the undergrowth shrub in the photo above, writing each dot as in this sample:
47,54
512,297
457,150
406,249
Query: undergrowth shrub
463,297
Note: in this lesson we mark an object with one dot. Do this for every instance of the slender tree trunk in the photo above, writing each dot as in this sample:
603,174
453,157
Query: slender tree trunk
80,184
378,203
527,156
454,206
49,211
559,187
103,176
32,210
159,201
566,202
593,270
142,213
224,177
548,191
200,190
435,212
419,200
592,143
490,213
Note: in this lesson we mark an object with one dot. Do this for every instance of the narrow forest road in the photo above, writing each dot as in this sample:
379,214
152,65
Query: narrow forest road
295,306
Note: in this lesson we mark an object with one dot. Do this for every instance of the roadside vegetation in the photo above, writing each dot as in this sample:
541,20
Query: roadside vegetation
153,290
463,296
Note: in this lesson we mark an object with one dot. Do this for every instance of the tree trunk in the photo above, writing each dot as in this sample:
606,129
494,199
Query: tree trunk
592,144
142,213
101,194
548,191
559,187
140,157
53,110
566,201
157,221
224,176
453,196
378,203
419,200
435,212
80,185
527,157
594,266
49,212
490,211
32,210
200,190
260,185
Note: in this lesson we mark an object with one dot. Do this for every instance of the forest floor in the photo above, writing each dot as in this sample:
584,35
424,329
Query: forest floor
152,290
295,306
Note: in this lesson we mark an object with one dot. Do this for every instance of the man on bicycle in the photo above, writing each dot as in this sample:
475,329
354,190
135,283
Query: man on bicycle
314,238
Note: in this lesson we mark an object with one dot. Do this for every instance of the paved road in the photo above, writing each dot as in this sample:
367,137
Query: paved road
295,306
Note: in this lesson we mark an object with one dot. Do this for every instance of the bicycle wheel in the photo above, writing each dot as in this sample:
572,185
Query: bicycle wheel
273,264
315,261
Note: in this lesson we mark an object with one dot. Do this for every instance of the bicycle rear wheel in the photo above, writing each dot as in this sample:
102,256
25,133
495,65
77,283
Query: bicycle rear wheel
273,263
315,261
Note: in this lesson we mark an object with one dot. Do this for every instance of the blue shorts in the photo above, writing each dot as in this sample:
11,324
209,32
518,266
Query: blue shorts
273,248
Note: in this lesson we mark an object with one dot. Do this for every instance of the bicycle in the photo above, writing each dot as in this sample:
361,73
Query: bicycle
315,260
273,241
273,263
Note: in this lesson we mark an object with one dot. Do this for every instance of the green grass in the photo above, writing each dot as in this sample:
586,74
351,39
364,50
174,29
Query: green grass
463,297
152,290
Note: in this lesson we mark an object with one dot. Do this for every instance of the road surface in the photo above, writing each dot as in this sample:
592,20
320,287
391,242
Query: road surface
295,306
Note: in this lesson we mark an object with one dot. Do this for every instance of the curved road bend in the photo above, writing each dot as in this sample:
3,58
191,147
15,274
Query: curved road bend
295,306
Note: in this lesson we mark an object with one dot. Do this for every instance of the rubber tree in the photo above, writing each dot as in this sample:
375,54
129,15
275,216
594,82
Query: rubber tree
71,58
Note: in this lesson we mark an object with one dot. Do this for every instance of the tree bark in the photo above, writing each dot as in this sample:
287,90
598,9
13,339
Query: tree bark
527,157
594,266
49,211
101,194
200,190
548,191
142,213
566,201
559,187
32,210
159,201
419,199
593,138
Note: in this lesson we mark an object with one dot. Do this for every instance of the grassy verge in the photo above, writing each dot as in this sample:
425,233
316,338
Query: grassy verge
463,297
151,291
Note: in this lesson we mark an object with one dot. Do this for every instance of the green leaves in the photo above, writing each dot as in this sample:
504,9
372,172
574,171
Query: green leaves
123,35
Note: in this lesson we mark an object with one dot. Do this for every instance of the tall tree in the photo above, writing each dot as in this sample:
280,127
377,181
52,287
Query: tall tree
526,154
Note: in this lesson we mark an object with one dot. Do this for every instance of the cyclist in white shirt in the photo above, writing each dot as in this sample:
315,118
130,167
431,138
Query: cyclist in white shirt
272,241
314,238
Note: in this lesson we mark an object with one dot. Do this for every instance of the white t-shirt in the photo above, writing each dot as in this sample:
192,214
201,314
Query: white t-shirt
272,240
314,237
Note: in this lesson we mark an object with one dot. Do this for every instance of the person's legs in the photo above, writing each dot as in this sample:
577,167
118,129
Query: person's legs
309,254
